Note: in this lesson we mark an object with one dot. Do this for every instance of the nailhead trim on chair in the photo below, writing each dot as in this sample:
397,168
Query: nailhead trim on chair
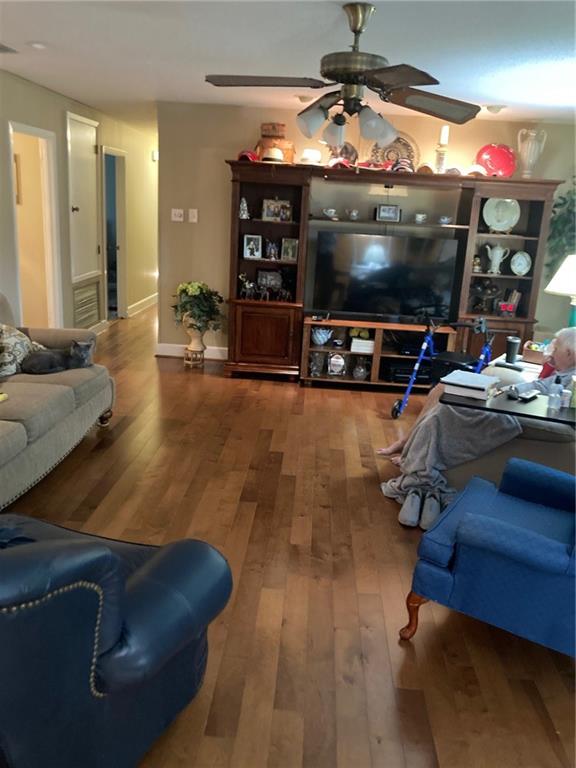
57,592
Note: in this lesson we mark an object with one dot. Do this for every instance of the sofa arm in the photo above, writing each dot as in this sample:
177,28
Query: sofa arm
170,601
59,338
538,484
519,544
38,571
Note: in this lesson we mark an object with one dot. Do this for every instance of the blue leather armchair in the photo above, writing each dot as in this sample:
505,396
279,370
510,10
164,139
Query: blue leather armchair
505,555
102,643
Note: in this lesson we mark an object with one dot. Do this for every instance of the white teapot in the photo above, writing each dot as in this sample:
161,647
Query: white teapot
497,255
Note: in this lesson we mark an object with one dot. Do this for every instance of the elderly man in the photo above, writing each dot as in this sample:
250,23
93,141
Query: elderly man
444,437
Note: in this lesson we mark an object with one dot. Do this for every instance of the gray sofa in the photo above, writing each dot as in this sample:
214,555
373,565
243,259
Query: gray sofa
541,441
45,417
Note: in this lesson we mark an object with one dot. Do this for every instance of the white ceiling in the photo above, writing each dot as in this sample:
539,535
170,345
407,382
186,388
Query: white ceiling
122,57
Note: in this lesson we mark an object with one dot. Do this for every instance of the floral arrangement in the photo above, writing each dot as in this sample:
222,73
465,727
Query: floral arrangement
197,306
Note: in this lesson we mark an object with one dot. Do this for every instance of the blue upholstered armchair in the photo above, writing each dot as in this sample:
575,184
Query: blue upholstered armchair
102,643
505,556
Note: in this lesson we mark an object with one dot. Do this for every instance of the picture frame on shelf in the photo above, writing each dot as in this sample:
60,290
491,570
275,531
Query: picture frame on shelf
388,213
252,247
270,279
289,250
276,210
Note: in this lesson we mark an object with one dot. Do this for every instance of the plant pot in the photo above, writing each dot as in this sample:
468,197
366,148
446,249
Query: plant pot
194,351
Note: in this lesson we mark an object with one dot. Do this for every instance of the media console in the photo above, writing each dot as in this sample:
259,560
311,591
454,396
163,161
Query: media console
385,365
268,332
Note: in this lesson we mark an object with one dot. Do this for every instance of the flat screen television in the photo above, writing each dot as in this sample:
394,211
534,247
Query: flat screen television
388,277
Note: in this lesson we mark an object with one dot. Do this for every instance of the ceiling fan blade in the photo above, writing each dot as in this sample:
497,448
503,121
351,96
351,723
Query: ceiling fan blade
453,110
326,101
261,80
398,76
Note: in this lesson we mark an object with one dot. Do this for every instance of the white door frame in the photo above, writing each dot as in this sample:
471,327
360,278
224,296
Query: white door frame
121,269
51,218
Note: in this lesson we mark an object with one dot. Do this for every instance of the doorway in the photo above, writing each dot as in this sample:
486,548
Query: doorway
114,174
35,217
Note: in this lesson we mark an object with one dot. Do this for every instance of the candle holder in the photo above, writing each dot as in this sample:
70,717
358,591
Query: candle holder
440,158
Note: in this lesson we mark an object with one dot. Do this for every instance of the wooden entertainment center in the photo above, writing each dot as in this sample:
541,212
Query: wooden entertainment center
272,336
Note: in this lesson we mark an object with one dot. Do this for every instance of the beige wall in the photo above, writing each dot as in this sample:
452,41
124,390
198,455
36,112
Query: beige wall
30,220
24,102
196,139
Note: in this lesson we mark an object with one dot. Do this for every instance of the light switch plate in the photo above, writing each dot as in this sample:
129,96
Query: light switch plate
193,215
177,214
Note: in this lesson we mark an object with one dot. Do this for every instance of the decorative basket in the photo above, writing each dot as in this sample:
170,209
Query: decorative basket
533,355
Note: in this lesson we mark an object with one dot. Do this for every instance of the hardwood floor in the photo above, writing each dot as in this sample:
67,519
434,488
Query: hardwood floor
305,666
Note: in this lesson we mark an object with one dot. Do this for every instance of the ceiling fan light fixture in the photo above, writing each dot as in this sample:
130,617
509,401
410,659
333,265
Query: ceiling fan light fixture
374,126
310,120
334,132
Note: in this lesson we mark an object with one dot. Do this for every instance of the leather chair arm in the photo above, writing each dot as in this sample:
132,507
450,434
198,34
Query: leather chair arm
39,571
169,602
59,338
519,544
538,484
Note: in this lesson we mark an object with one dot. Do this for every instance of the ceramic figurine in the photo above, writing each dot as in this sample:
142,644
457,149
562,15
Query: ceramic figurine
243,214
476,264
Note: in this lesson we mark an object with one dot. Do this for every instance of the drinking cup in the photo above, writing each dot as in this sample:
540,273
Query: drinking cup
512,347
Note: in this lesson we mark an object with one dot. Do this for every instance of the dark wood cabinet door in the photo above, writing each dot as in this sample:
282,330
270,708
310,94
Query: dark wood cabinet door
267,335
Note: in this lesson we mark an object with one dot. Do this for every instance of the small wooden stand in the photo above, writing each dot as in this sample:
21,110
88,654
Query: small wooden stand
193,358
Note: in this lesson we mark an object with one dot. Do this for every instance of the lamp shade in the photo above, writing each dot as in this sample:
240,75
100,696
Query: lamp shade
333,134
310,120
374,126
564,281
564,284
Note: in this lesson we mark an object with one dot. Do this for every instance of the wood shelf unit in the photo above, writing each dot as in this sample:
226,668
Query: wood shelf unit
266,337
378,359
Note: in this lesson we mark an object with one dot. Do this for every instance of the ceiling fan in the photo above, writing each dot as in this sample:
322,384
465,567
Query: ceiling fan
354,71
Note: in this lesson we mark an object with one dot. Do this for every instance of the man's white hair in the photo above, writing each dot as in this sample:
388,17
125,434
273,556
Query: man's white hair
568,337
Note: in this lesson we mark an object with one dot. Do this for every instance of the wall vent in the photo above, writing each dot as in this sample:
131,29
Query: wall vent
6,49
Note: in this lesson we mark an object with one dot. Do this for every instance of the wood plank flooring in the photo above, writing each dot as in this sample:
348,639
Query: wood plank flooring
305,667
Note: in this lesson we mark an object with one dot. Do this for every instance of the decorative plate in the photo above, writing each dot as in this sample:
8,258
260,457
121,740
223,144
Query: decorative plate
403,146
520,263
497,160
501,214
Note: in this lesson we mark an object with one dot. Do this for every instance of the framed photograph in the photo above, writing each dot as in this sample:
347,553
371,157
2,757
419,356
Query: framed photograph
252,246
276,210
269,278
390,213
289,250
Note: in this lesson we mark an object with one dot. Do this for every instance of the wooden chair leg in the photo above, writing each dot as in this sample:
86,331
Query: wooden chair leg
413,603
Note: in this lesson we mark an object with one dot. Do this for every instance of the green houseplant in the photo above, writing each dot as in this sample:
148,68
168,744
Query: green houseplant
197,308
562,236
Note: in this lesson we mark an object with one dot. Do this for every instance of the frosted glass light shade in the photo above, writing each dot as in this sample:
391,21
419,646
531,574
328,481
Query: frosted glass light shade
333,134
374,126
564,284
564,281
310,120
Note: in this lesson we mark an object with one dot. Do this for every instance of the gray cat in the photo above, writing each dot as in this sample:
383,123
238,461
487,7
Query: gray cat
55,360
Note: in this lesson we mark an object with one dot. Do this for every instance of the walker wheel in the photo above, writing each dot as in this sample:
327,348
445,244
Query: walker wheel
396,409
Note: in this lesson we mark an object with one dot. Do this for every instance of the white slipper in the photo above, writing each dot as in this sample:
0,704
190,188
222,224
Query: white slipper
410,513
431,509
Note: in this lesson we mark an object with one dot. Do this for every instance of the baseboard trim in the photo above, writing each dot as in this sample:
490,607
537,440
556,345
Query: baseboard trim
143,304
100,327
177,350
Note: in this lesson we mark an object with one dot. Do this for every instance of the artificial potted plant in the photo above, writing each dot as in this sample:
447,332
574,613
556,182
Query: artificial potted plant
197,307
562,237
